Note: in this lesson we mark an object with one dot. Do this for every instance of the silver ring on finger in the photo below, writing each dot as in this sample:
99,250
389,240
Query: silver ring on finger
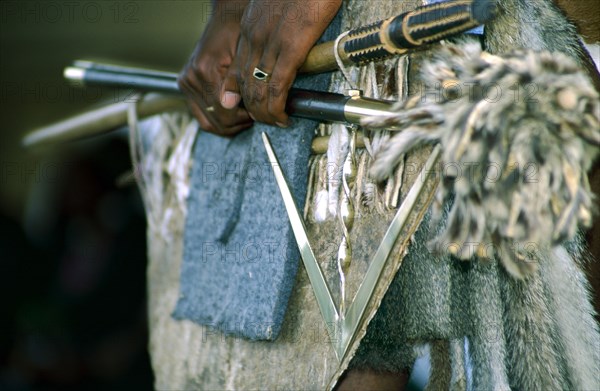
260,75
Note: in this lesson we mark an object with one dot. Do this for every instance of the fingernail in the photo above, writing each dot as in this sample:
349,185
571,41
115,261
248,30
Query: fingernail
230,100
281,125
251,116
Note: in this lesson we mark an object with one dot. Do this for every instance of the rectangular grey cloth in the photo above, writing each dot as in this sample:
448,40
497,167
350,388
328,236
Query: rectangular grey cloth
240,257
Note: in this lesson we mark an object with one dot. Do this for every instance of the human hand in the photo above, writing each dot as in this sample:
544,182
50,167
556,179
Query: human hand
202,78
275,38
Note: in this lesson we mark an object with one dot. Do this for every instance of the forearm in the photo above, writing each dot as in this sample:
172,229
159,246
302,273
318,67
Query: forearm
229,8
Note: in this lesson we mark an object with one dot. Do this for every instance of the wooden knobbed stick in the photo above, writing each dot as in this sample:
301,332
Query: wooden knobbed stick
420,27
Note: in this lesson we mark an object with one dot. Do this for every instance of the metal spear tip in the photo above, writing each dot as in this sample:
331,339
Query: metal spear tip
74,74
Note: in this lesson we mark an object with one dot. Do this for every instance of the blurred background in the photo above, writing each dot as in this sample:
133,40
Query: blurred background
72,242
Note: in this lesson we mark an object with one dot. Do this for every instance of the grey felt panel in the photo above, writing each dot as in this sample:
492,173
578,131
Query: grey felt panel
240,257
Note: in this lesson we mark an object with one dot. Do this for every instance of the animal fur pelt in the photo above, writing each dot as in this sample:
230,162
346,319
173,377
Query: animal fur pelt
518,134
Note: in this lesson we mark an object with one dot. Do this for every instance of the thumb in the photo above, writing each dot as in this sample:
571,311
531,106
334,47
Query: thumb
230,92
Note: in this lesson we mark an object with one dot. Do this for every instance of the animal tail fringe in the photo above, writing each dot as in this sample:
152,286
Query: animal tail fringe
519,133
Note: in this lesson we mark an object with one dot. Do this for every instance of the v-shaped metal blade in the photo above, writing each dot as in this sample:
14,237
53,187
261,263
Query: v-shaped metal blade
347,324
315,274
351,319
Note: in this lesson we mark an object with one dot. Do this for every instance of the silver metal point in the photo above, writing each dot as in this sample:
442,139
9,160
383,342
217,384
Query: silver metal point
74,74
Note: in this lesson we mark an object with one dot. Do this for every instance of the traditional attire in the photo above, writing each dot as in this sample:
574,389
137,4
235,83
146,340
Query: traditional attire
538,333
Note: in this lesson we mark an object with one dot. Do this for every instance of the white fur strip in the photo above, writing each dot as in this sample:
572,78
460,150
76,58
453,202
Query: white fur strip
336,154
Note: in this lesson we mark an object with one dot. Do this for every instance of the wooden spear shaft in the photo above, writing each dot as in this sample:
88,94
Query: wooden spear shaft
315,105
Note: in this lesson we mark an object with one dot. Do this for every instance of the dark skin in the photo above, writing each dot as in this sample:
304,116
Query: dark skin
203,76
276,37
